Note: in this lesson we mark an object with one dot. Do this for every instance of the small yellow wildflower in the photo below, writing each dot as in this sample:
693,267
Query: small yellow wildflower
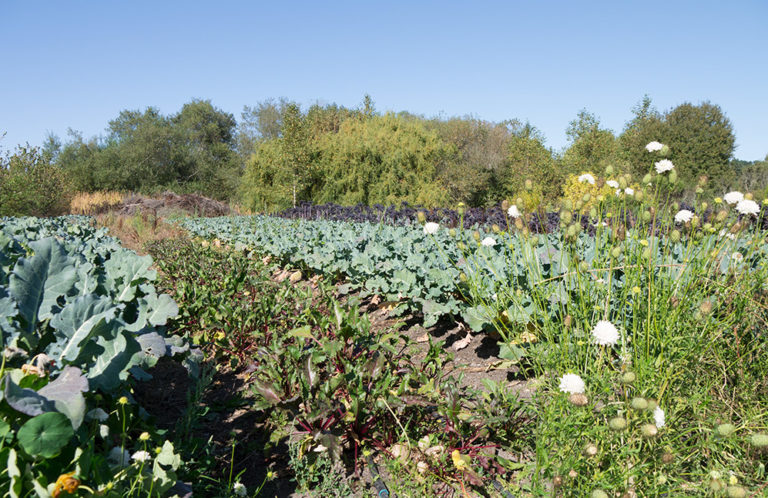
718,200
122,400
644,243
144,436
459,461
270,475
636,290
220,335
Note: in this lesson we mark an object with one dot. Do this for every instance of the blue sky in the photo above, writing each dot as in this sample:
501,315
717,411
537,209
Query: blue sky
76,64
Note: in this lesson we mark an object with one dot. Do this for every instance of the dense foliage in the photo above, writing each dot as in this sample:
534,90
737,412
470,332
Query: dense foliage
80,320
31,185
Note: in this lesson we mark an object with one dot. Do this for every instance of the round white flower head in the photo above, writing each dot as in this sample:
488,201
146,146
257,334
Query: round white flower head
664,165
659,417
605,333
571,384
141,456
431,228
737,256
118,458
654,146
586,177
726,234
488,242
629,191
618,192
239,489
612,183
748,206
513,212
733,197
683,216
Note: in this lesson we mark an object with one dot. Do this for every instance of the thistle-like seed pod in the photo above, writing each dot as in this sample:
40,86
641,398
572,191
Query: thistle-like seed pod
599,493
675,236
628,377
736,492
578,399
618,423
528,185
759,440
589,450
639,403
668,457
505,205
421,217
609,170
725,430
649,430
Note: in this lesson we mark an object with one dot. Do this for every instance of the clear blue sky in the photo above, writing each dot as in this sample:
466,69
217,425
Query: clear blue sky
76,64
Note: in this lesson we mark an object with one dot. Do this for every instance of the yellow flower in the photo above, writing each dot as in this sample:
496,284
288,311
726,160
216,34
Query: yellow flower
459,461
220,335
144,436
718,200
270,475
644,243
636,290
66,482
122,400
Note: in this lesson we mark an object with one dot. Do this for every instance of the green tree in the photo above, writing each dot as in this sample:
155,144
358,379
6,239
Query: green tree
31,185
702,143
529,159
647,125
592,148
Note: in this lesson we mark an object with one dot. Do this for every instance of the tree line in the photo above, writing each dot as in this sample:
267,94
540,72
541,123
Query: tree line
280,154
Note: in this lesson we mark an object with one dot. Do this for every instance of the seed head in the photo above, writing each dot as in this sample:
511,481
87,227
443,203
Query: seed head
639,403
618,423
649,430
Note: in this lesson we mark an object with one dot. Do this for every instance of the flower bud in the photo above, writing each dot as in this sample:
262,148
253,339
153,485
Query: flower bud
505,205
736,492
462,246
421,217
535,239
675,236
706,307
567,205
673,176
528,185
557,481
628,378
495,228
565,216
639,195
647,179
589,450
578,399
519,224
646,216
476,236
647,254
665,151
749,196
578,205
599,493
463,277
461,209
609,170
618,423
586,198
567,321
452,232
583,266
593,213
652,404
759,440
649,430
639,403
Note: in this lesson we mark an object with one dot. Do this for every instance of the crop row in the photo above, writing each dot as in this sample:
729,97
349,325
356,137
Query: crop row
80,320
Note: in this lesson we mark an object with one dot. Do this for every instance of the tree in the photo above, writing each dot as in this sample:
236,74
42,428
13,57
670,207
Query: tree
702,143
592,148
294,149
529,159
647,125
31,185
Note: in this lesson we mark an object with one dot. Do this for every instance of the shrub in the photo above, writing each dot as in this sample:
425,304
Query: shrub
31,185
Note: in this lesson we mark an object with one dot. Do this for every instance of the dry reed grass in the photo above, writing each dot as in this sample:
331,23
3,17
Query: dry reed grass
95,202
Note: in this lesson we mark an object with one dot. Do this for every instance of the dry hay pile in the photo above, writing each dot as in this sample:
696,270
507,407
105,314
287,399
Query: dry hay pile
169,203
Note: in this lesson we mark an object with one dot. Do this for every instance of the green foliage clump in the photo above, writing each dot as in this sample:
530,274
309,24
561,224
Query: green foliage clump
584,193
31,185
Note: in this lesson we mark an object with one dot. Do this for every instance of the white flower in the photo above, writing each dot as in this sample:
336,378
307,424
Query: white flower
495,297
605,333
683,216
488,242
733,197
513,212
239,489
612,183
586,177
629,191
659,417
118,457
726,234
571,383
664,165
748,206
141,456
97,414
737,256
431,228
654,146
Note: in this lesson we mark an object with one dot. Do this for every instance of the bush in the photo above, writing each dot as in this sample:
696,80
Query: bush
31,185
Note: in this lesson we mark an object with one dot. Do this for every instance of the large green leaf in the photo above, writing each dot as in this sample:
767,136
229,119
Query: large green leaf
24,400
37,283
111,367
125,272
66,393
80,321
45,435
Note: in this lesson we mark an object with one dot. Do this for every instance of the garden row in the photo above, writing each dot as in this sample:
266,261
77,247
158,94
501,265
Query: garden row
81,320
